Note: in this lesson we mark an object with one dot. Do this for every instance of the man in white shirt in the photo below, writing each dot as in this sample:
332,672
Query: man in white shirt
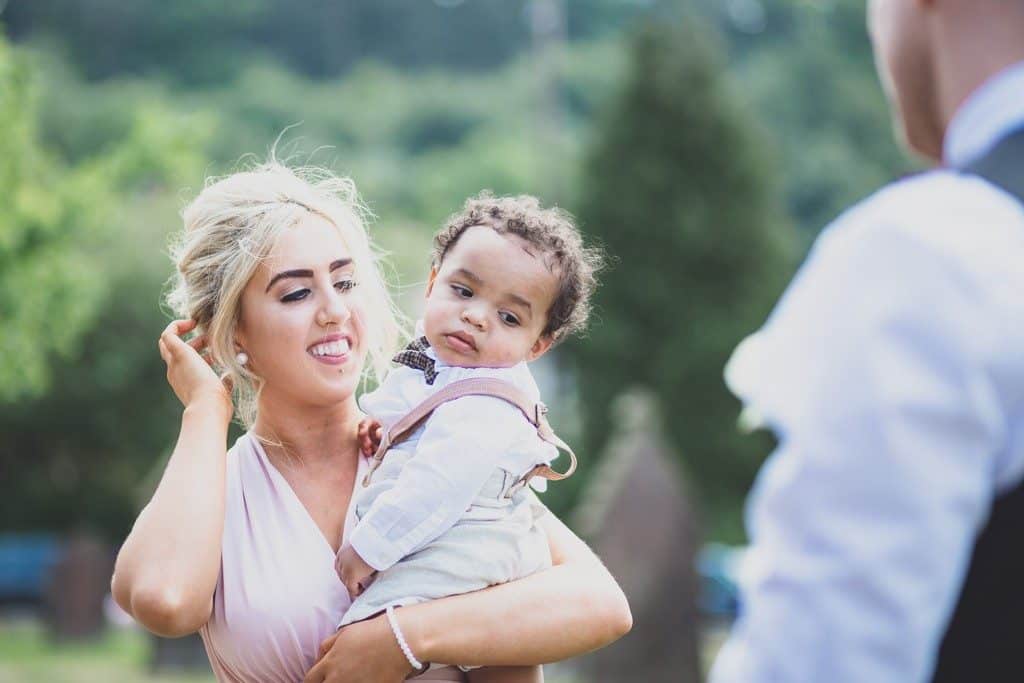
887,530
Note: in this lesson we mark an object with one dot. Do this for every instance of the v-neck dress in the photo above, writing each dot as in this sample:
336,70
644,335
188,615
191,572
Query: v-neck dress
278,596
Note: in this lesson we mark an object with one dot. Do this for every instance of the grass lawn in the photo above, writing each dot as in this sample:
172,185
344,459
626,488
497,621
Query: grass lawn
27,655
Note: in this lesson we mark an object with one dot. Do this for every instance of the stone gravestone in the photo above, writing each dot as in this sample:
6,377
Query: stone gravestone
76,588
638,519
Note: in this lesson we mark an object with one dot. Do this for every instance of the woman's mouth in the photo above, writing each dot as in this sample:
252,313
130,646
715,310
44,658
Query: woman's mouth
332,351
460,342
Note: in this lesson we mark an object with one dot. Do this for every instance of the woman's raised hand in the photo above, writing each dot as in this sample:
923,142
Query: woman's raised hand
190,373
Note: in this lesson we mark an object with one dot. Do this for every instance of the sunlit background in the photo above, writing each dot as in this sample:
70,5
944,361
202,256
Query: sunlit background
703,143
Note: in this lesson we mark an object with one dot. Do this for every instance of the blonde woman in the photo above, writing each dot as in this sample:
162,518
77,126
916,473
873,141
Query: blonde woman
277,275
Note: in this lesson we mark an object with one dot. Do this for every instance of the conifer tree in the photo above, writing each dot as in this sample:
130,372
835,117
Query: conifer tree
680,191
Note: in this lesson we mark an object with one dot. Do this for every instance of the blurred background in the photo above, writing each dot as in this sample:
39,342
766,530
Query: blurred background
703,143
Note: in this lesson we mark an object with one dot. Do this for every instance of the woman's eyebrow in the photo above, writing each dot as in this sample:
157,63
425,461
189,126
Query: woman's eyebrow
305,272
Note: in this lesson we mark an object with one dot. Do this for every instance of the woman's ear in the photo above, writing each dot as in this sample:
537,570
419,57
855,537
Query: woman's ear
430,280
540,347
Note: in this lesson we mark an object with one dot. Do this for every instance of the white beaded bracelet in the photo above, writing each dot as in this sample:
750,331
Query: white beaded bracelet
406,650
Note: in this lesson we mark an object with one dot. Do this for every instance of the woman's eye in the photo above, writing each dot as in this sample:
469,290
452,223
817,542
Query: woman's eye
345,285
464,292
509,319
297,295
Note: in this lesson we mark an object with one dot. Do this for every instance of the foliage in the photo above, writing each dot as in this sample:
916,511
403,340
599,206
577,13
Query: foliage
49,226
112,113
207,43
678,188
83,403
809,77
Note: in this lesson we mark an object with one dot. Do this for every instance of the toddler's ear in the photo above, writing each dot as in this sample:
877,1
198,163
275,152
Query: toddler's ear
430,280
540,347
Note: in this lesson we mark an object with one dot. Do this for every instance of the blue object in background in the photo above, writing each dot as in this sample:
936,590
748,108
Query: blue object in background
25,564
718,571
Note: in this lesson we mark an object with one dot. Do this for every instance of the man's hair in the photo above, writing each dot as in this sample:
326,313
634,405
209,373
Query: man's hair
554,233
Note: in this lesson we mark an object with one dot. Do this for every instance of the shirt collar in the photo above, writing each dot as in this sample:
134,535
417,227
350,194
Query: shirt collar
992,112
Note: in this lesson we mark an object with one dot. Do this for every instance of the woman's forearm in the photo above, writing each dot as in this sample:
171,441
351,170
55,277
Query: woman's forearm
167,569
572,608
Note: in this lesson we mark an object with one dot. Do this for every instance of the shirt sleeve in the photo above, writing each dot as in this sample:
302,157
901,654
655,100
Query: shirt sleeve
873,373
462,445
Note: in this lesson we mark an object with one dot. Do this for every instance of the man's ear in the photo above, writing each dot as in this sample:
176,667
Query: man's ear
430,280
540,347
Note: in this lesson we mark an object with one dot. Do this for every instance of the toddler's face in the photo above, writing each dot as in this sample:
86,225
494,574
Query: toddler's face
487,305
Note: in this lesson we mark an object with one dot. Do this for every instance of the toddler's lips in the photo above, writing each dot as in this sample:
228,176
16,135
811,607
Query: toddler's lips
460,342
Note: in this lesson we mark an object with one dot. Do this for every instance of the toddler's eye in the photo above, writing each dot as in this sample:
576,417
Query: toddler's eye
297,295
461,291
509,319
345,285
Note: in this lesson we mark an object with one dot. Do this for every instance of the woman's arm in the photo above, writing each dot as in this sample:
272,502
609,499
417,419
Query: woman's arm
167,569
572,608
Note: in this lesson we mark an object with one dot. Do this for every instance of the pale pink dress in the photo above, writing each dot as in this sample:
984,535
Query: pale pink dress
278,596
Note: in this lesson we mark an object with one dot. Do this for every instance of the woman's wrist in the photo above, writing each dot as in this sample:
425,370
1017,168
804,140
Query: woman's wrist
210,406
417,633
388,634
414,662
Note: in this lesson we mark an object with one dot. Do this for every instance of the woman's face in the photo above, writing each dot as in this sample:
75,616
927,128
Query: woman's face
302,320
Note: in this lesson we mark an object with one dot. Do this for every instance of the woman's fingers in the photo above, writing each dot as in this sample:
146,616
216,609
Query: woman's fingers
171,336
202,346
164,352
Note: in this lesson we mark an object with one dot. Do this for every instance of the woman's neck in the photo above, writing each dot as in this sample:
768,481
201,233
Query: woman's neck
297,432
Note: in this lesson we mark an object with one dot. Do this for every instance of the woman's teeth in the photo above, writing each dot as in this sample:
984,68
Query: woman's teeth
335,348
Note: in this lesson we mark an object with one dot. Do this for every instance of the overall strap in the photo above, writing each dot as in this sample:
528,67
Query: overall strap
1003,165
535,413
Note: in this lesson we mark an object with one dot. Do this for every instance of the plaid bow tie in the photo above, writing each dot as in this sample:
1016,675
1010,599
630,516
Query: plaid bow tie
414,356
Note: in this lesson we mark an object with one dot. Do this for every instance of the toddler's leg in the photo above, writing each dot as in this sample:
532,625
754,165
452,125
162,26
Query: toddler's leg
507,674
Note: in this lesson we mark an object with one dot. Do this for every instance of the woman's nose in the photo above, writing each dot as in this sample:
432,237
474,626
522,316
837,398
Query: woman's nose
334,310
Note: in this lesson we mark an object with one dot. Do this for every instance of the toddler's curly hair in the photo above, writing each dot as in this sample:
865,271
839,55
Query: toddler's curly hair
553,231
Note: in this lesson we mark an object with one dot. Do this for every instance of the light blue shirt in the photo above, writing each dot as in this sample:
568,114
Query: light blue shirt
453,454
892,372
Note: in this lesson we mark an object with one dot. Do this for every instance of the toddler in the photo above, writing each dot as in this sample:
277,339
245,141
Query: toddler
444,509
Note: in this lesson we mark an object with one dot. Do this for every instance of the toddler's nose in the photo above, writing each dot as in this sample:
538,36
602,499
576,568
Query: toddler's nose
472,317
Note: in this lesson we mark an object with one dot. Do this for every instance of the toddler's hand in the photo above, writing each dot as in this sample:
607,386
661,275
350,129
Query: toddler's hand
353,571
370,434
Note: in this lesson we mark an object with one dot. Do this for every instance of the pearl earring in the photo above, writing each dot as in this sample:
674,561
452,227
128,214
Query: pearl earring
242,358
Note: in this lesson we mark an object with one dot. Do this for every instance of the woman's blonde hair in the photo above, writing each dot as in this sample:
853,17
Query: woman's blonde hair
233,224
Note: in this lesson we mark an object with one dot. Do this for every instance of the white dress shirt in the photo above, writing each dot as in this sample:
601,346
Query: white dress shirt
892,372
453,455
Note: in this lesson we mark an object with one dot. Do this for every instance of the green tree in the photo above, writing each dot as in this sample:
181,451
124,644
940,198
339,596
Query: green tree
84,406
679,190
49,228
809,74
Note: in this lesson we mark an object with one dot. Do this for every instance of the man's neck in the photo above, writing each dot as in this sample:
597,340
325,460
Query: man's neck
973,47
